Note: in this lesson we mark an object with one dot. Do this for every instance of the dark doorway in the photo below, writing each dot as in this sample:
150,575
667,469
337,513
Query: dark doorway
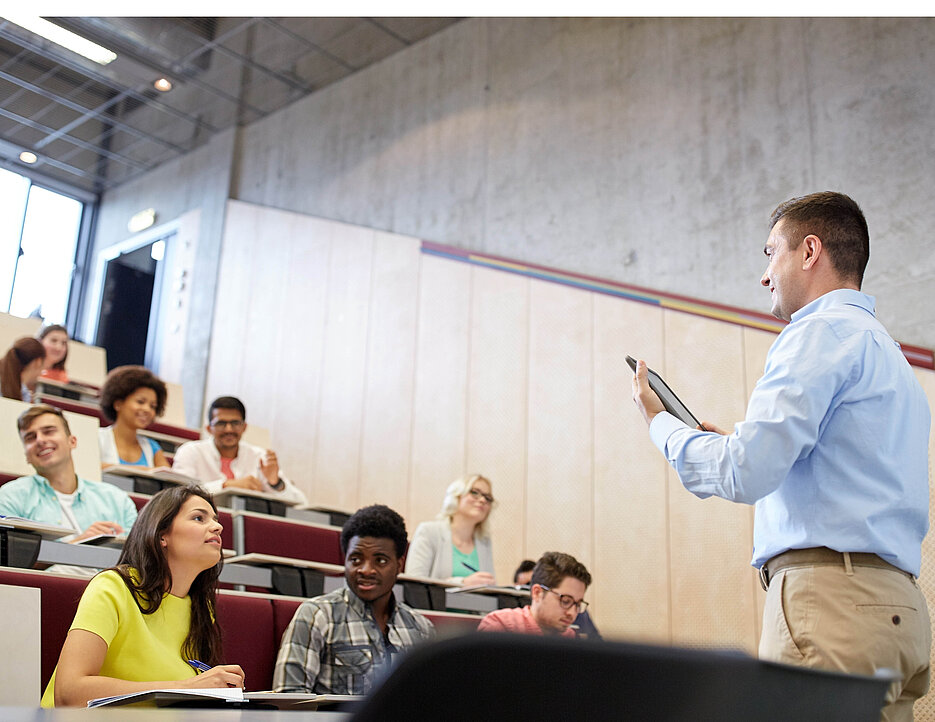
126,302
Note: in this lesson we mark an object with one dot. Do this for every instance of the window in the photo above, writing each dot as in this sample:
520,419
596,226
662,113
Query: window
38,236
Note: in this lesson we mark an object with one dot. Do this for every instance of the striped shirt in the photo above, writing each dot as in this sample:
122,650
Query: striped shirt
333,645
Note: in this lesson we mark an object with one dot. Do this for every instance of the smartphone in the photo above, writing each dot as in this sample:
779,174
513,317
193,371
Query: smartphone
672,402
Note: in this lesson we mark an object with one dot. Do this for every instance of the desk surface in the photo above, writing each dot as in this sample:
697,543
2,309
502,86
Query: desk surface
164,714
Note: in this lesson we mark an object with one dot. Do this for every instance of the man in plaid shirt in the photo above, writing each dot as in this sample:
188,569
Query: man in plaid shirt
339,642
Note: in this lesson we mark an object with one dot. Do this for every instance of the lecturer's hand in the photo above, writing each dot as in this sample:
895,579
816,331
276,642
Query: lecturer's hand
644,397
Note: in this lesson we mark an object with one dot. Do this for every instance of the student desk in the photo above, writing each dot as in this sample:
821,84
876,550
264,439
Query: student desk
165,714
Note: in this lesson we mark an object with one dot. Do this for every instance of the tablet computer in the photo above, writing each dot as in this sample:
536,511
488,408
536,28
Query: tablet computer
672,402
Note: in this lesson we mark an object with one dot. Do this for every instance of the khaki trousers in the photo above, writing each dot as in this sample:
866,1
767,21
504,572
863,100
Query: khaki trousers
854,620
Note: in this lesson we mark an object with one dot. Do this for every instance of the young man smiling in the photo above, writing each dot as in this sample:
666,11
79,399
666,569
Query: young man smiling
557,586
55,494
225,461
336,643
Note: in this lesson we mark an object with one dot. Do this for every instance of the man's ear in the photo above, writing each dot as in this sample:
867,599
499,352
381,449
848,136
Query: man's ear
400,564
811,251
73,442
535,593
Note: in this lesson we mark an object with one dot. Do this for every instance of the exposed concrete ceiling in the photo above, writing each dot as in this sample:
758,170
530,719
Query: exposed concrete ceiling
94,126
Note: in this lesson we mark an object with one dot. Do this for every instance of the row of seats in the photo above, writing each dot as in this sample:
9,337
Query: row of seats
277,536
252,624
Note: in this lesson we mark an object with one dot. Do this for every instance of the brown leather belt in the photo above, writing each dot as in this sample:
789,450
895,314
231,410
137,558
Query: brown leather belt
821,556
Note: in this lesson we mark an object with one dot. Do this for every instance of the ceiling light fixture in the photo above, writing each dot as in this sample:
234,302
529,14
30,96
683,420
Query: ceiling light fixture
28,157
65,38
163,85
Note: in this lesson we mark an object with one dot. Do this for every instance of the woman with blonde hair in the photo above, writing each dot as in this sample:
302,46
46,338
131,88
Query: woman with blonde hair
457,546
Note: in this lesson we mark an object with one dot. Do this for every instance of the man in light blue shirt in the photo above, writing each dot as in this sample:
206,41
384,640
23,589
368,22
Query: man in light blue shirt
834,454
55,494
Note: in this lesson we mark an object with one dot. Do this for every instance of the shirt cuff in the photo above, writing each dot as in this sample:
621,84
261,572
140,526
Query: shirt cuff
662,427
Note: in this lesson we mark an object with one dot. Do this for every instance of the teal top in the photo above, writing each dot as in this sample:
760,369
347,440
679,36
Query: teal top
32,497
463,565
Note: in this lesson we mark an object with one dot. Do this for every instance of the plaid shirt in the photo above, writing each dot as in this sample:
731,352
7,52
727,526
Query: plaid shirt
333,645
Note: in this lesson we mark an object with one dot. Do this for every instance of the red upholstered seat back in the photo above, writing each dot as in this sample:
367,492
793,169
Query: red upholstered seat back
247,629
283,611
246,625
282,538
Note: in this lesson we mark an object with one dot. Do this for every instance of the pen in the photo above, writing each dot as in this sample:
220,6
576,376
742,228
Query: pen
468,566
200,666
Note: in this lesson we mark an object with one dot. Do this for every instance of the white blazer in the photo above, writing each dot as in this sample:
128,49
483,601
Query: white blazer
430,552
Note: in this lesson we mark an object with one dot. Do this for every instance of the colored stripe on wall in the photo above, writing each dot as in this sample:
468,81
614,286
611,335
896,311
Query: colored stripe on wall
916,355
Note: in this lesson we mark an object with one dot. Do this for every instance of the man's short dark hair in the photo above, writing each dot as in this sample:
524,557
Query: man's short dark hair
123,381
840,224
377,521
34,412
526,565
227,402
553,567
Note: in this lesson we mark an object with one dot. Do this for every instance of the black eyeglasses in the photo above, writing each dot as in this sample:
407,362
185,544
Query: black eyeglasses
478,494
235,424
566,601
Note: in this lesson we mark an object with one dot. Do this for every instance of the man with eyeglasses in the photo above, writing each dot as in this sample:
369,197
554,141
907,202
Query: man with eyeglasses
225,461
557,587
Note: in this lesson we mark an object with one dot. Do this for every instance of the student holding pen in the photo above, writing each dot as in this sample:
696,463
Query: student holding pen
144,624
457,547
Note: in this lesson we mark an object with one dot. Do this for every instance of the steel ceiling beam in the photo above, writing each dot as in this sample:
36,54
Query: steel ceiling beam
68,139
103,79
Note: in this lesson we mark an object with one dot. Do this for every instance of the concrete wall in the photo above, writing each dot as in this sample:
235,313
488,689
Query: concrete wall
649,151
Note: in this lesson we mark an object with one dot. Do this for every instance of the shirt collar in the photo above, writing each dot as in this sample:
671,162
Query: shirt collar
363,608
46,484
837,297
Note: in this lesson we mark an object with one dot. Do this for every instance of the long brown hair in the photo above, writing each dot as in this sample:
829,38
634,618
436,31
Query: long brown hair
23,351
49,329
143,553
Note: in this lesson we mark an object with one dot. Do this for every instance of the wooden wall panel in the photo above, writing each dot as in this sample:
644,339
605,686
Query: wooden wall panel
756,345
630,594
559,489
440,395
294,425
342,378
496,419
711,540
235,290
387,413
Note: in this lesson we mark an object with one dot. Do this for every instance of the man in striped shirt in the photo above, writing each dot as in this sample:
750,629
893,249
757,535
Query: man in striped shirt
340,642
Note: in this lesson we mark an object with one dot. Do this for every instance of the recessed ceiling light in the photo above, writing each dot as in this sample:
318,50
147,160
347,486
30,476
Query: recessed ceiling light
65,38
28,157
163,84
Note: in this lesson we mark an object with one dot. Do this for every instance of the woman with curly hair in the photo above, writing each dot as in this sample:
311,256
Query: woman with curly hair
139,623
132,397
20,367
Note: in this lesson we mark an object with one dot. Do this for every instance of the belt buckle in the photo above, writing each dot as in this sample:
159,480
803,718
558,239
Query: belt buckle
764,577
